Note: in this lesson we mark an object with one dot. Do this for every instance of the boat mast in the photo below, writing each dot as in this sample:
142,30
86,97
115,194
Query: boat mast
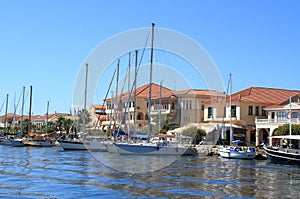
160,105
30,107
129,101
47,117
85,96
6,111
22,111
135,77
231,132
116,108
150,83
290,128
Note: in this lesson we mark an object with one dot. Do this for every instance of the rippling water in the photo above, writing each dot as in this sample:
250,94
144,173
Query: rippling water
52,173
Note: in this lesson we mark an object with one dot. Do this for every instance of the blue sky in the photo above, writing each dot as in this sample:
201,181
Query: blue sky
44,43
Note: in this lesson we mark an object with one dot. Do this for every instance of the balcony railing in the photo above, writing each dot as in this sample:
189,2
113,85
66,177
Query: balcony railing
276,121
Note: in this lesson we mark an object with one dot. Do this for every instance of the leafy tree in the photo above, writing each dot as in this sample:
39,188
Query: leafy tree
84,114
60,123
68,123
285,130
197,134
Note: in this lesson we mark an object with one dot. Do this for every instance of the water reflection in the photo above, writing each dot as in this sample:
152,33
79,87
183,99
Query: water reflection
49,172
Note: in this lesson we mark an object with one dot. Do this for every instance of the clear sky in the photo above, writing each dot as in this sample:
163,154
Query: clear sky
43,43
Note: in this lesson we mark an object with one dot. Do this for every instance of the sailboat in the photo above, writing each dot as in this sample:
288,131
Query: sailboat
20,141
154,146
235,151
81,143
6,139
285,154
76,143
35,140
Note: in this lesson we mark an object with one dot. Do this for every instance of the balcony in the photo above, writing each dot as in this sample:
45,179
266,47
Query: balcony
277,121
157,109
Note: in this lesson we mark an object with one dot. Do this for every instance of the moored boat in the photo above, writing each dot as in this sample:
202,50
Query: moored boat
237,152
284,154
18,142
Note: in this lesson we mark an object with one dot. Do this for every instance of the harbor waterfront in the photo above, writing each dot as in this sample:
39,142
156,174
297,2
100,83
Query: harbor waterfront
30,172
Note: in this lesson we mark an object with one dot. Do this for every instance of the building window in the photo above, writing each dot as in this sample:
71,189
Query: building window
183,104
139,116
263,111
233,111
191,104
210,112
257,110
250,110
224,112
295,114
273,115
173,105
187,105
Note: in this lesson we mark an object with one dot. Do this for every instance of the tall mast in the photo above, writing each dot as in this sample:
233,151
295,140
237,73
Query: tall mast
290,127
129,93
150,82
135,77
85,96
6,111
160,105
231,132
30,106
22,111
116,108
47,117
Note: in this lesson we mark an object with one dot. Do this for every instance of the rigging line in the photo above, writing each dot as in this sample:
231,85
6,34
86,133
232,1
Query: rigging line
2,105
17,105
142,56
106,95
134,82
25,100
225,105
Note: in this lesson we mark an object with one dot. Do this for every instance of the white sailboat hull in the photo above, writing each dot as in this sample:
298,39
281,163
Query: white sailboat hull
93,145
40,143
237,154
154,149
72,145
5,142
18,142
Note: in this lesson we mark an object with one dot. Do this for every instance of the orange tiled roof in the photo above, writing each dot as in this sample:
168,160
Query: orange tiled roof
268,96
96,106
199,93
143,92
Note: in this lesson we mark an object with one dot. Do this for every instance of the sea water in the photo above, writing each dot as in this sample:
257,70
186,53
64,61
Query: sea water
29,172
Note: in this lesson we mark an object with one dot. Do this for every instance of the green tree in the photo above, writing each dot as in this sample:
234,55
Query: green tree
84,114
285,130
68,123
60,123
197,134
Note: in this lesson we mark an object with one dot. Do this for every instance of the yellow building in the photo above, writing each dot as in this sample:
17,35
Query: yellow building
247,106
284,113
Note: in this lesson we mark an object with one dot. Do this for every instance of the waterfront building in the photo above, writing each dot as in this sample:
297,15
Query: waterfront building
168,107
98,115
286,112
248,106
14,120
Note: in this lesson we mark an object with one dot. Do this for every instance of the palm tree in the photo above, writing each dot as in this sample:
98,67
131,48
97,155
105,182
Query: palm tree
83,114
60,123
68,123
